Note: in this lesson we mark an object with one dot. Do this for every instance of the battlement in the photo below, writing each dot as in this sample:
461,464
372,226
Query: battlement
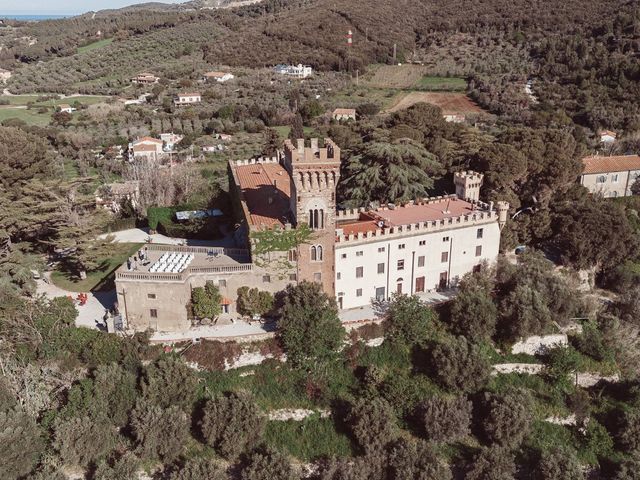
254,161
313,154
468,184
475,218
468,176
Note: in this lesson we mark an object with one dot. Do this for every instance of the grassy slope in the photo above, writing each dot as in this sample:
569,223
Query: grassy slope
95,45
99,278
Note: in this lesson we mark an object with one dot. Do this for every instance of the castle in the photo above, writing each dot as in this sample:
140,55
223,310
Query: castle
290,231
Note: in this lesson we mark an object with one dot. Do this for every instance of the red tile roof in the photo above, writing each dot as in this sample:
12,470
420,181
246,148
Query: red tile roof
621,163
266,190
408,214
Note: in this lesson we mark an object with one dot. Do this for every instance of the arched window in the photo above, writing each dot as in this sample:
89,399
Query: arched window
319,249
314,254
321,218
601,179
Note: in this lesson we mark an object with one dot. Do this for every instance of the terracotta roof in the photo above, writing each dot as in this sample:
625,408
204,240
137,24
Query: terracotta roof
144,148
268,204
216,74
344,111
621,163
148,140
193,94
64,105
408,214
607,132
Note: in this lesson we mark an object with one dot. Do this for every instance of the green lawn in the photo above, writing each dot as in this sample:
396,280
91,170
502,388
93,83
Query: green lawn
30,117
71,100
283,130
446,84
19,99
99,279
309,439
95,45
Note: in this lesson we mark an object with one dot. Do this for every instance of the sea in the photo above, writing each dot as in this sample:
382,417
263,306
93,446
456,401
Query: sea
32,18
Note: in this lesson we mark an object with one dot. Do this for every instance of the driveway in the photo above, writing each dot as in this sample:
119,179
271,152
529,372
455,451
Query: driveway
90,315
141,235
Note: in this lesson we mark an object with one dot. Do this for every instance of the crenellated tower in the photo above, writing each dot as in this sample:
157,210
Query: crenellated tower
315,171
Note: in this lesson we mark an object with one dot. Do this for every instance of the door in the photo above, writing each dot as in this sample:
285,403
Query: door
420,284
399,288
443,280
340,303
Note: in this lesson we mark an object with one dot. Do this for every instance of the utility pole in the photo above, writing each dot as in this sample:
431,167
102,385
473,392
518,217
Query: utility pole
395,52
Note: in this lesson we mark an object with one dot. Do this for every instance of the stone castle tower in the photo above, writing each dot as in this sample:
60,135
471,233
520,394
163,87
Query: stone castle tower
468,185
315,172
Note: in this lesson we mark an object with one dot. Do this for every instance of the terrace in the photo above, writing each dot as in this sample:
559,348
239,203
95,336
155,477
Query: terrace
173,263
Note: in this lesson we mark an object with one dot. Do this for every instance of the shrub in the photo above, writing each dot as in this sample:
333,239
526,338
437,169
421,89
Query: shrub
459,365
21,443
123,468
169,382
373,424
559,464
416,460
627,430
206,302
232,424
83,440
197,469
445,419
561,361
309,327
408,321
267,464
252,301
473,313
507,418
160,433
492,464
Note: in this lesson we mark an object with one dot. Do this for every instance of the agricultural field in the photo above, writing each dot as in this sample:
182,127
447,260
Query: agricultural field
395,76
450,103
442,84
30,117
95,45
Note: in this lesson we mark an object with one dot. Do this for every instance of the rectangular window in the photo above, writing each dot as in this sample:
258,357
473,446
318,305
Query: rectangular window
614,178
344,255
381,249
338,275
421,261
266,279
317,277
400,264
359,253
401,246
480,233
151,296
359,292
222,283
445,239
293,277
380,293
422,243
359,272
153,313
478,250
381,268
444,257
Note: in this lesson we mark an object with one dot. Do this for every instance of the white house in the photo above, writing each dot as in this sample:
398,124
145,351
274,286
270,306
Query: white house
344,114
610,176
183,99
63,107
170,140
145,79
296,71
607,136
217,76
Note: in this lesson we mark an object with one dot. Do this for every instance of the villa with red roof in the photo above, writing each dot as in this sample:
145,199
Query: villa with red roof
610,176
358,256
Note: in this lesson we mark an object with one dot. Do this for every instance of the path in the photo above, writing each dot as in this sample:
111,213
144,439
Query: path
140,235
89,315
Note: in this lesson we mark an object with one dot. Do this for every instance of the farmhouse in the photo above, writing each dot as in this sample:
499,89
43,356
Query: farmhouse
145,79
610,176
217,76
344,114
289,231
183,99
65,108
146,148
